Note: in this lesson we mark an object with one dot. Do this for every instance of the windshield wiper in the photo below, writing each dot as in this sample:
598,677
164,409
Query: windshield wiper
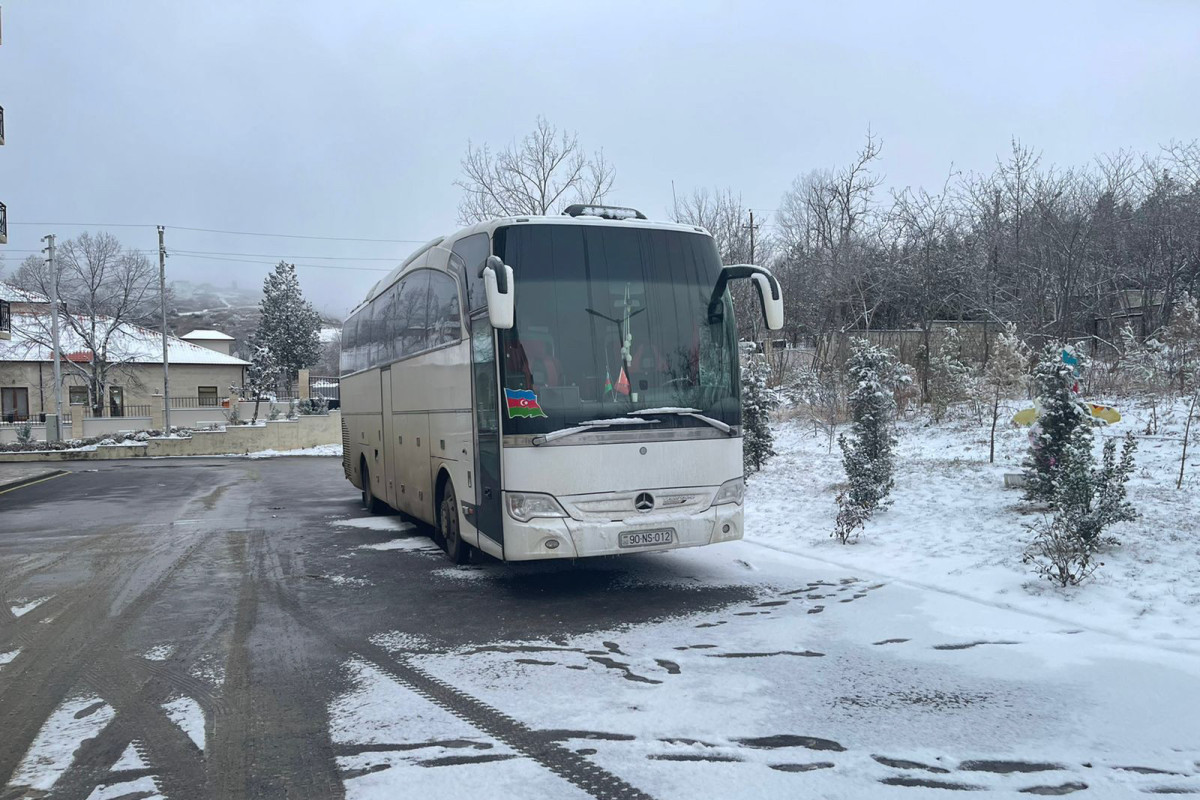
687,412
590,425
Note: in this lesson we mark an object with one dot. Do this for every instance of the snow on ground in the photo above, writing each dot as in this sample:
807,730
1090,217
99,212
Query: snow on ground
418,543
436,755
78,719
130,759
209,668
7,657
142,788
393,524
187,714
24,605
159,652
319,450
842,687
953,526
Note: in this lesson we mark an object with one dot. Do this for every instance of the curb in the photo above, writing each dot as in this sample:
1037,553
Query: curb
32,479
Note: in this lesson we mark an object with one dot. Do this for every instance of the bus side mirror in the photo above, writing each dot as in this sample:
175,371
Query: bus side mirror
772,299
769,293
498,284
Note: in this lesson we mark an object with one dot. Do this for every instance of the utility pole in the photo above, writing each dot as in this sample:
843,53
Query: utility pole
752,228
162,297
49,240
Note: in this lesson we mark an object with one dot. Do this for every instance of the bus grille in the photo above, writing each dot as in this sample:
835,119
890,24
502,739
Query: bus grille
346,449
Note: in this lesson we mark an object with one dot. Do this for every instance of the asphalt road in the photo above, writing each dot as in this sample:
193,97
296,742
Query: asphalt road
232,628
227,557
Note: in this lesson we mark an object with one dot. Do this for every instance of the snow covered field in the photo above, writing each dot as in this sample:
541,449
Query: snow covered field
954,527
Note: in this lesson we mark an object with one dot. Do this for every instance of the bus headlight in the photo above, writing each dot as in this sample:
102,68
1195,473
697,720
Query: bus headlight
524,506
730,492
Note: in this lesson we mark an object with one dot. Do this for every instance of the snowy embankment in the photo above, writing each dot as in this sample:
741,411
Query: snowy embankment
954,527
318,450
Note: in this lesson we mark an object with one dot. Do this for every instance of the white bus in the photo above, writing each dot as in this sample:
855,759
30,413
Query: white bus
553,387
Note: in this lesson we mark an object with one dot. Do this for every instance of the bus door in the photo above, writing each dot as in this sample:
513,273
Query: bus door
390,449
486,416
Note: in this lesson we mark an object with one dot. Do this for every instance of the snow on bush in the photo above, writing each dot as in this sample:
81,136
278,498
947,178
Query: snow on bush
1062,414
867,451
756,409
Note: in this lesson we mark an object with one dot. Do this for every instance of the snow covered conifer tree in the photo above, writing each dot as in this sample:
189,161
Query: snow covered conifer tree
260,375
1062,416
290,326
867,452
1004,375
756,405
948,376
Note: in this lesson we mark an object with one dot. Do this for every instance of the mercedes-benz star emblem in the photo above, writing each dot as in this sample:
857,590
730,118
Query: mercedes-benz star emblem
644,502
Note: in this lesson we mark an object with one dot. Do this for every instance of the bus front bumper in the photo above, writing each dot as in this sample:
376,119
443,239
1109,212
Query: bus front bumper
571,538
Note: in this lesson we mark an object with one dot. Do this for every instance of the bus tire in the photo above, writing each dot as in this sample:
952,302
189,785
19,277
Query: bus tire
369,501
448,527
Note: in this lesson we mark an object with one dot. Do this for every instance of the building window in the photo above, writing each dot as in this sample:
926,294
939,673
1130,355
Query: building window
207,395
14,404
77,395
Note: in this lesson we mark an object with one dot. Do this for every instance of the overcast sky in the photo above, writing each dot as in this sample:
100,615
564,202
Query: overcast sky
349,119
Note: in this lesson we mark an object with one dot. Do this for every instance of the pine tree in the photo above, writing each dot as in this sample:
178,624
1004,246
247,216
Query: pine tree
1004,375
756,405
1063,421
867,453
948,376
289,327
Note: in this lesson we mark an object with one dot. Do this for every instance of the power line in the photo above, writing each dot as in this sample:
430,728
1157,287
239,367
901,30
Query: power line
272,255
215,230
272,263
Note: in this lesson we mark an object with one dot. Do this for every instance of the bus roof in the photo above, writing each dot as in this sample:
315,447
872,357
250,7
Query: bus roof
489,227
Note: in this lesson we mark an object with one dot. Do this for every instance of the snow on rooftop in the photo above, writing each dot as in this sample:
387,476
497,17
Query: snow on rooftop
129,344
207,335
12,294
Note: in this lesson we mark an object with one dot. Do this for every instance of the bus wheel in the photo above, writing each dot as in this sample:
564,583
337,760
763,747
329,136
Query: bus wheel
451,537
369,501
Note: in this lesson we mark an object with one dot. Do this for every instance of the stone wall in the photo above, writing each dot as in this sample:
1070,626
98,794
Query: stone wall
302,432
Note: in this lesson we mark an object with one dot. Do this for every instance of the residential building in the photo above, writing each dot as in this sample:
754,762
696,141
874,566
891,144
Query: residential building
200,376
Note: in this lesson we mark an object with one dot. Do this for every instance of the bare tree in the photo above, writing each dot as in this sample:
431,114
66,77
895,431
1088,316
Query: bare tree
543,172
104,291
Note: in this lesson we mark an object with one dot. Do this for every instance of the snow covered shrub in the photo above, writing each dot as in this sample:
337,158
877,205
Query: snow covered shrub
948,376
1181,340
820,394
1004,376
867,452
1058,554
233,414
1091,498
1061,416
274,413
313,406
24,432
905,388
1147,371
756,406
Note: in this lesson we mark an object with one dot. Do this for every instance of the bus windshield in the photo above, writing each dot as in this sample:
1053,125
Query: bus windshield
612,320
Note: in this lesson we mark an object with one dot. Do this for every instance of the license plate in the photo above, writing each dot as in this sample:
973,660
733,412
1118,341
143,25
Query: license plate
646,538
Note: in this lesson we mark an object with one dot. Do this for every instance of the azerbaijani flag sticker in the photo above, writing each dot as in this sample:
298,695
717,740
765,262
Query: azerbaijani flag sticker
522,403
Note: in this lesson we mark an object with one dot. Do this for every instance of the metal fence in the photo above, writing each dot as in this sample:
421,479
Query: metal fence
109,411
327,387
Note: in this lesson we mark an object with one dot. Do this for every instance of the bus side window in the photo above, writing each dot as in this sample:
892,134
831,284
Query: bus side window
474,250
445,323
